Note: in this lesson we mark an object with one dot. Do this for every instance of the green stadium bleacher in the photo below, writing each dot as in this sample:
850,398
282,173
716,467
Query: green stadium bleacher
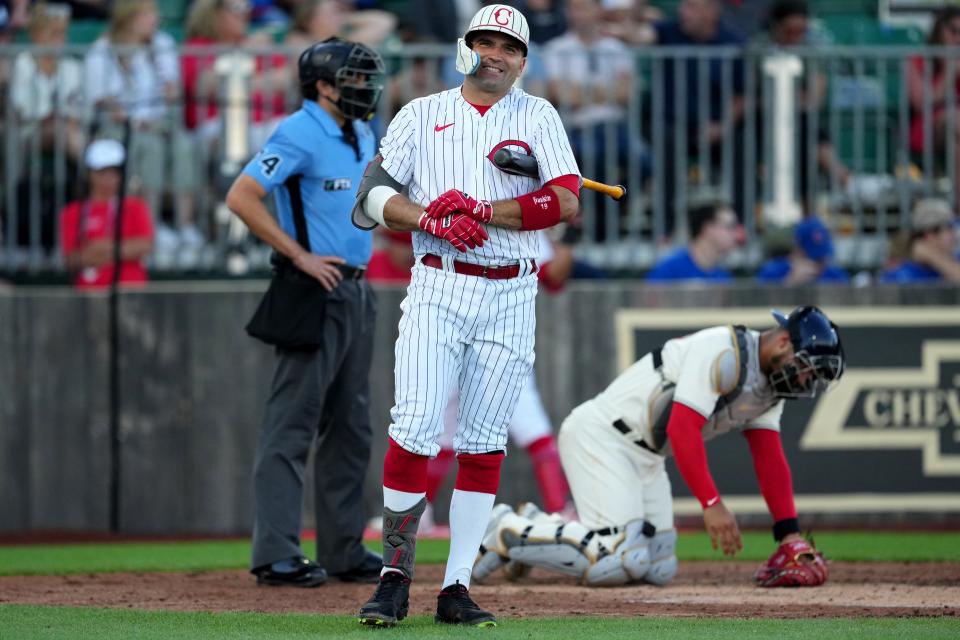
172,11
85,31
860,8
859,30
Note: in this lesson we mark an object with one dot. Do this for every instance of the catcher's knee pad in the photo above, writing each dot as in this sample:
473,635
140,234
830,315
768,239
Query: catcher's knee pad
608,571
556,548
663,557
636,552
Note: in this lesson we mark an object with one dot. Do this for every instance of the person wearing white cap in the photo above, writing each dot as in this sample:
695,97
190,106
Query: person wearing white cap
468,319
933,246
87,226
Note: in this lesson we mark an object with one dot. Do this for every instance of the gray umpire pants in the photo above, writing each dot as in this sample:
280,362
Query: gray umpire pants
322,395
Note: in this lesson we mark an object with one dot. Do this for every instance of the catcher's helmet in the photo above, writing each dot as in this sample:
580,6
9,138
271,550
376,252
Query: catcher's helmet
354,69
818,354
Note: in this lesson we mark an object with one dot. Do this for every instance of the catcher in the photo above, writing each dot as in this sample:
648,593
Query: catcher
614,449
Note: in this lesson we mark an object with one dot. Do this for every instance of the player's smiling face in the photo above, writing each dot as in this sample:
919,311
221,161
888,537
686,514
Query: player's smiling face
501,61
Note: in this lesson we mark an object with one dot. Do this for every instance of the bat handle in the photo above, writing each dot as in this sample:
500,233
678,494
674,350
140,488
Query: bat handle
617,192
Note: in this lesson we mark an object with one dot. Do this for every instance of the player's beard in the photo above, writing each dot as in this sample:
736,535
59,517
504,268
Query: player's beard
495,83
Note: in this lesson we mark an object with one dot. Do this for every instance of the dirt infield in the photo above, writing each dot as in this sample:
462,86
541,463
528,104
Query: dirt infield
710,589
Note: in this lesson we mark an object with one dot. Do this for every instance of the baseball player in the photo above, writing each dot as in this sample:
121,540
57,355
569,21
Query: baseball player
313,162
530,427
468,318
668,403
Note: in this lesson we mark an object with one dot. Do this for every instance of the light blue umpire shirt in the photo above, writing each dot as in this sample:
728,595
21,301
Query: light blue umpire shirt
308,154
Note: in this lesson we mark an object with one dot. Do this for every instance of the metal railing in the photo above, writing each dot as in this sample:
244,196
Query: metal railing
755,126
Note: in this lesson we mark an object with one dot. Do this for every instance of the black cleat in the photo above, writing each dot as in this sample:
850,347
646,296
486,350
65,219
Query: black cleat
293,572
367,571
389,603
454,606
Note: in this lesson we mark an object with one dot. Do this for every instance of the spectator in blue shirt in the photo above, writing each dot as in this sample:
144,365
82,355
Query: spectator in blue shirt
808,261
715,233
700,108
933,256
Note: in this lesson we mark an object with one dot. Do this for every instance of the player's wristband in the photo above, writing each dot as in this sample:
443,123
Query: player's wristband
376,201
783,528
539,209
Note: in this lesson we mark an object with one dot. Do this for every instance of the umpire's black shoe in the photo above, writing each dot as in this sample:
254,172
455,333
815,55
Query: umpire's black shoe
454,606
389,603
292,572
367,571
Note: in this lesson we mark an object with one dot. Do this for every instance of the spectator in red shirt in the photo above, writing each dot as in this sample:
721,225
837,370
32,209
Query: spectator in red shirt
932,99
392,262
87,226
224,23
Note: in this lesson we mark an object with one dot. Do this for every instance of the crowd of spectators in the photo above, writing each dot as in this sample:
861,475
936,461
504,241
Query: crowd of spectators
197,114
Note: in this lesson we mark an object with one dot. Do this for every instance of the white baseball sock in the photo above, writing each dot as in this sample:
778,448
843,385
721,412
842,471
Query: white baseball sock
469,515
400,501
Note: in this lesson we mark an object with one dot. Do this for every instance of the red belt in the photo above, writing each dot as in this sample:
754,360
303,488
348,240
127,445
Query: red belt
481,271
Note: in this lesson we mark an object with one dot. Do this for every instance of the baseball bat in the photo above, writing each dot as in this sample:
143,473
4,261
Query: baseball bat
521,164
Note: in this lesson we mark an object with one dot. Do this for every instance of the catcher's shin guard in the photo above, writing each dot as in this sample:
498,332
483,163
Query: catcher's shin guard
628,560
514,570
536,515
549,546
663,557
492,554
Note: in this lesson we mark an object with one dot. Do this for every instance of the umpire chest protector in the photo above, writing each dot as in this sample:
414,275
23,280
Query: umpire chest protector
735,374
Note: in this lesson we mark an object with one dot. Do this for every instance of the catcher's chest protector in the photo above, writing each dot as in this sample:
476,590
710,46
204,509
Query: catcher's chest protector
745,393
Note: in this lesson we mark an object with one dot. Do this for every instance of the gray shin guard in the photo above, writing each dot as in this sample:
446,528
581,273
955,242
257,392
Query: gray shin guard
400,537
545,546
663,557
628,562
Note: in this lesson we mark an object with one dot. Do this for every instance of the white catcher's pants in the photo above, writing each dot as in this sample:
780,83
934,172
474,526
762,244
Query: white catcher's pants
613,481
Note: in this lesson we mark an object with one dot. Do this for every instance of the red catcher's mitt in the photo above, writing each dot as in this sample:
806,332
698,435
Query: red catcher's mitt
793,564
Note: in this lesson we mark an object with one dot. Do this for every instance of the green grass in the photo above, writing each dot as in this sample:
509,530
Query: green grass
207,555
24,623
854,546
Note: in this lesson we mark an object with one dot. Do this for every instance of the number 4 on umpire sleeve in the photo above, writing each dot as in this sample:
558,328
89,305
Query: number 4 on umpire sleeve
269,164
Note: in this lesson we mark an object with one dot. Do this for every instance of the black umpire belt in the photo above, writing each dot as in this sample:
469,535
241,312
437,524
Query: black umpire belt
622,427
283,265
352,273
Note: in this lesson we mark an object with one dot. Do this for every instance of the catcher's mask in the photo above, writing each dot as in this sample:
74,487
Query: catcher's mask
354,69
818,354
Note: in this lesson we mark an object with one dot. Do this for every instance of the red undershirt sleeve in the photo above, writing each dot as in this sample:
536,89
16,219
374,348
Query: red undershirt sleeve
569,182
773,472
686,441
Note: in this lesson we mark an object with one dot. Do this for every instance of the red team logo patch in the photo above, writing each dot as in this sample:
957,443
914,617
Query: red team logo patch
500,19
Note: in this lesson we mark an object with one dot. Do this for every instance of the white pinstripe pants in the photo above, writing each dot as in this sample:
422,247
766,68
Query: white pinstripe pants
465,331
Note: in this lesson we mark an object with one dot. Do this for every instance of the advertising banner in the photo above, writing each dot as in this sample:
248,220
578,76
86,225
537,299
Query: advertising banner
885,439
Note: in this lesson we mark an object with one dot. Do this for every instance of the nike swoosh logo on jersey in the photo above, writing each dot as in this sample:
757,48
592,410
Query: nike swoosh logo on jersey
438,128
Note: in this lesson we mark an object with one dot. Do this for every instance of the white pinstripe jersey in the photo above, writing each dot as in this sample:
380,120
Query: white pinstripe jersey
441,142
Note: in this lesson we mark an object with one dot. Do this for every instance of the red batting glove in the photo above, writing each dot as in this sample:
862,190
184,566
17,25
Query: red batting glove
459,229
455,201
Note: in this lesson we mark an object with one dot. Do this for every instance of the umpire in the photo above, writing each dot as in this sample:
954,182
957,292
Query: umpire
313,163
